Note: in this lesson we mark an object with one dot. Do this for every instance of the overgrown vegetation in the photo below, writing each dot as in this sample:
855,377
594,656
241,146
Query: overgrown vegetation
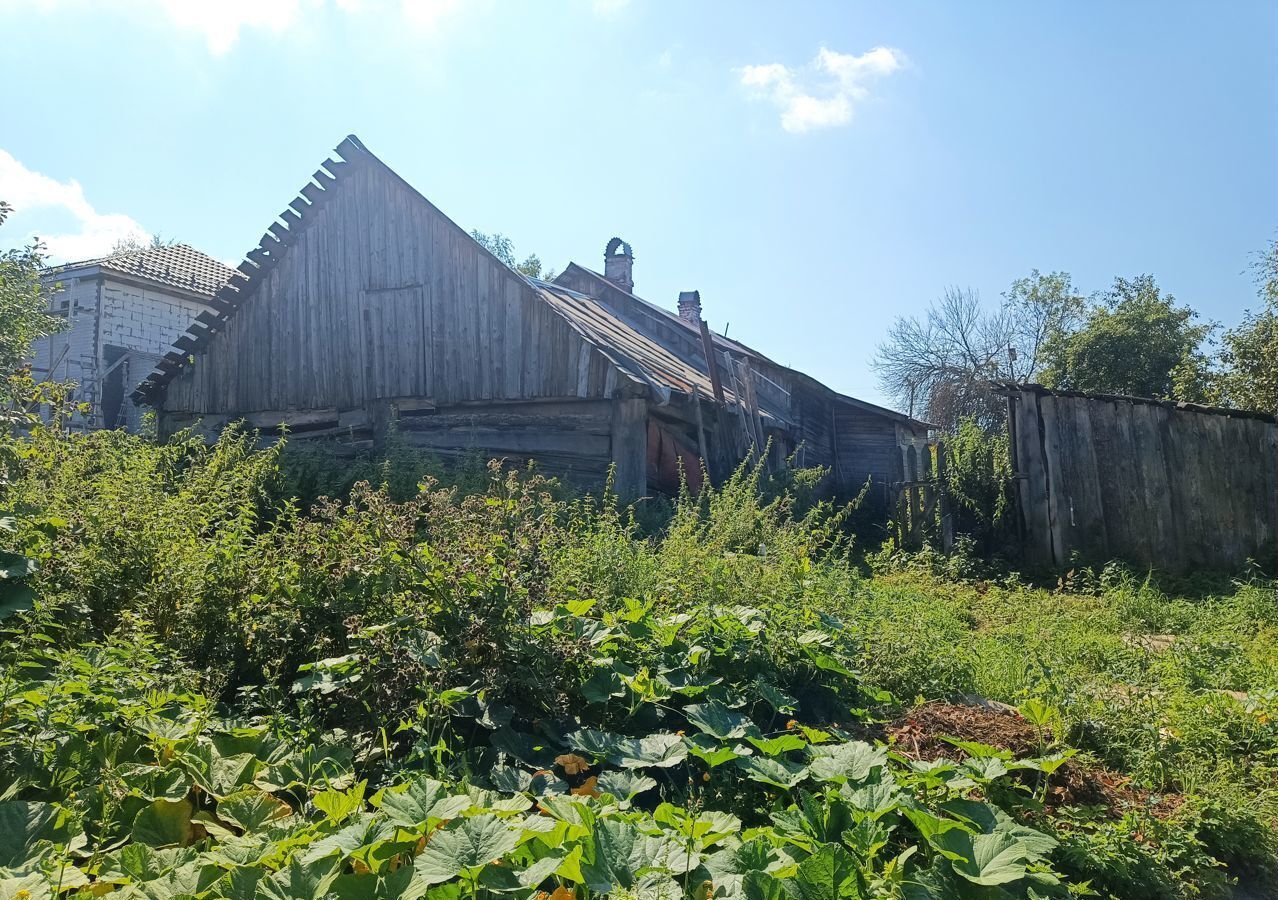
494,689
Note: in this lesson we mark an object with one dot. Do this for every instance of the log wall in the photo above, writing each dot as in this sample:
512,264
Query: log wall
1161,486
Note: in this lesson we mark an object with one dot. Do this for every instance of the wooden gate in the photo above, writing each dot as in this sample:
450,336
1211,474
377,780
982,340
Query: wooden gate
922,515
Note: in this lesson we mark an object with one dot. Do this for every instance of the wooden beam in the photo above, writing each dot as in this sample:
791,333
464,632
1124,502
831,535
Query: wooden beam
712,364
630,448
312,192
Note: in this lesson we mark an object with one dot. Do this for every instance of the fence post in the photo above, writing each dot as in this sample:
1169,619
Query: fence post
942,482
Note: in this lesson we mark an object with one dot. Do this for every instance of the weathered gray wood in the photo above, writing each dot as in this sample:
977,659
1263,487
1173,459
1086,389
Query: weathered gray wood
1034,481
630,448
1166,486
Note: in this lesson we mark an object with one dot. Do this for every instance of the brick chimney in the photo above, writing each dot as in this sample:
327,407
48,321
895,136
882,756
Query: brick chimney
690,306
619,264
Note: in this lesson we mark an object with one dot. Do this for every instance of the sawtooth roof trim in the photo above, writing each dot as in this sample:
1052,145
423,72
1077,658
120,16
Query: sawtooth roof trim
634,354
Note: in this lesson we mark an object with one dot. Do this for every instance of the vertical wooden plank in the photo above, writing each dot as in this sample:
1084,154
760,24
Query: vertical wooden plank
1057,508
1034,508
942,487
1268,540
1159,524
1086,506
630,447
1193,487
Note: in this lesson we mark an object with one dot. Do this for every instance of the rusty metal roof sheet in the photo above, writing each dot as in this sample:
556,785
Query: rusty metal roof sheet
628,349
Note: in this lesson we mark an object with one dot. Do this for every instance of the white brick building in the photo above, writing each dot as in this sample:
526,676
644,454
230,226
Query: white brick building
124,312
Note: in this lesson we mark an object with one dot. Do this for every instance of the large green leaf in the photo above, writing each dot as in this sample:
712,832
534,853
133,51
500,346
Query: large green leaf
14,566
777,772
513,780
830,873
761,886
717,720
504,879
363,833
602,686
609,857
217,774
778,699
464,845
712,752
15,596
657,750
371,886
624,784
165,823
983,858
301,881
337,806
252,810
423,802
24,826
24,887
854,761
997,857
314,768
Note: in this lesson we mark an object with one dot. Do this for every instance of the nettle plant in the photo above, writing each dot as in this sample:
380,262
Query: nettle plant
689,760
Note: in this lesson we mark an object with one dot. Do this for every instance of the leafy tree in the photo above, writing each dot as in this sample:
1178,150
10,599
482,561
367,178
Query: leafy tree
1249,352
23,305
134,243
939,366
1134,340
503,248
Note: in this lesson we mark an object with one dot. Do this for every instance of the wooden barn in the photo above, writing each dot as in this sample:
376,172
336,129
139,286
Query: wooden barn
365,310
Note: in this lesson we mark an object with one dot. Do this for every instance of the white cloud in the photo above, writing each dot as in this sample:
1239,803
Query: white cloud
26,190
221,22
826,91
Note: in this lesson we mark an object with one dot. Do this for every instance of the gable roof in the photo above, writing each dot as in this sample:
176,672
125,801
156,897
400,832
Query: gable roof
723,343
636,352
175,265
632,352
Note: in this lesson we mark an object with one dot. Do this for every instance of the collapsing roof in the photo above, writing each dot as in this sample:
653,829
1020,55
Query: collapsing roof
665,367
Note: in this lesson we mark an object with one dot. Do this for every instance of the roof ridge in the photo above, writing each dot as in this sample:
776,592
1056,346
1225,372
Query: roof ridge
245,278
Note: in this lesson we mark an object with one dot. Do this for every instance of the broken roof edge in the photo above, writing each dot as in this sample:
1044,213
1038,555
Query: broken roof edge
244,281
1015,387
246,278
731,343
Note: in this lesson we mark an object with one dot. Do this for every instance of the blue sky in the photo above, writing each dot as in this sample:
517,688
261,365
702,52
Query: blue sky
813,169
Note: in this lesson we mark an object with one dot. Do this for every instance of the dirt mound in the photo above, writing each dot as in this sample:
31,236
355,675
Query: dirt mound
920,733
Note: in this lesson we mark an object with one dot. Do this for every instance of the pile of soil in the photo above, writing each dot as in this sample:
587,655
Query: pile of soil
919,733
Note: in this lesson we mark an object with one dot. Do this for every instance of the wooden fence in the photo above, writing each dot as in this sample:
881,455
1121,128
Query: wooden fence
922,514
1172,486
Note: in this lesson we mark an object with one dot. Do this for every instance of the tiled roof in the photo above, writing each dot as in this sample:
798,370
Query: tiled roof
176,265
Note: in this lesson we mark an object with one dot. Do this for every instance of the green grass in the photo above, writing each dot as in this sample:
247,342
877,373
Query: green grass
193,611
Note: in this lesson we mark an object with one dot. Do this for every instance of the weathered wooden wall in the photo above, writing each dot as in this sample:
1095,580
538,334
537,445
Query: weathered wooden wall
382,296
1173,488
868,447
